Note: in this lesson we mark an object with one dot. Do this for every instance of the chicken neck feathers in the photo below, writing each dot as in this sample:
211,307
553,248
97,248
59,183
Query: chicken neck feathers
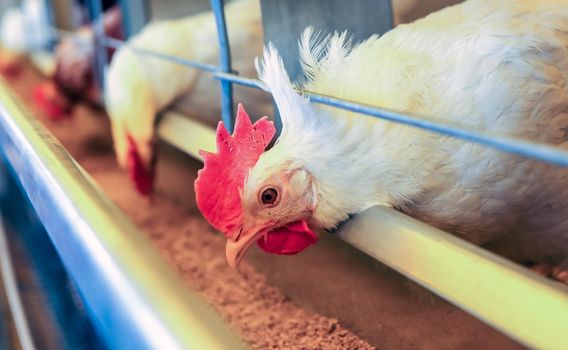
493,66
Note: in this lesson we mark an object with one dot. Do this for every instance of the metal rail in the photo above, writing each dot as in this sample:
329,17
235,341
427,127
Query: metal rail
518,302
133,296
101,56
10,283
225,63
527,148
514,300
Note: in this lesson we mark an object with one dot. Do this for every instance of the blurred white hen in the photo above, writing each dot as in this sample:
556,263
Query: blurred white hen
24,28
139,86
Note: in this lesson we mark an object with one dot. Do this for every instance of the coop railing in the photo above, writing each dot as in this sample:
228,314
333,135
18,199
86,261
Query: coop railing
130,292
514,145
525,306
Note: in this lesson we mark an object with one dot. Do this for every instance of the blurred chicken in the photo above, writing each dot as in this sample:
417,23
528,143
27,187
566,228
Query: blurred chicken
73,79
139,86
499,66
75,56
24,28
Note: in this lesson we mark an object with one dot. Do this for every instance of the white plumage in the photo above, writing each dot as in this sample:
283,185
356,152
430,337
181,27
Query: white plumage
498,66
139,86
23,29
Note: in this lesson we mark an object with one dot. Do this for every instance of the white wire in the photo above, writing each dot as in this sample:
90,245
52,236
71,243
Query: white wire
12,294
520,146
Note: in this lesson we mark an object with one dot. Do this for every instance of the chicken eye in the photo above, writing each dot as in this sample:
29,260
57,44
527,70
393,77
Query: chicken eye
269,196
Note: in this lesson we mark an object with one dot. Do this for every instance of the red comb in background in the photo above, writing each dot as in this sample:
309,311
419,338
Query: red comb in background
219,183
50,101
10,68
143,178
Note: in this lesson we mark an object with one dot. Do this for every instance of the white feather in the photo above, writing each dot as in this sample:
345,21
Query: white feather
495,66
139,86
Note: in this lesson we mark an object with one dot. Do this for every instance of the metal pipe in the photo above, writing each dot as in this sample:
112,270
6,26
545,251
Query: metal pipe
175,128
531,309
503,143
133,296
225,64
9,280
101,55
115,43
515,145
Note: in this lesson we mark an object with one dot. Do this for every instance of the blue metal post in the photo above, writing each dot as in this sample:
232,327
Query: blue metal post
101,57
225,62
527,148
136,13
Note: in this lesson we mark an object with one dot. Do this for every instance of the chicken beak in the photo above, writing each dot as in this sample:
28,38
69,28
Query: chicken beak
237,248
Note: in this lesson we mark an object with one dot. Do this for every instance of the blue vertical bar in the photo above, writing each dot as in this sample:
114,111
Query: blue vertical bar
225,64
101,57
136,15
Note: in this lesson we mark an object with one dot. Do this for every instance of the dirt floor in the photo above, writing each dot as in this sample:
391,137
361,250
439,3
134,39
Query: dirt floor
319,299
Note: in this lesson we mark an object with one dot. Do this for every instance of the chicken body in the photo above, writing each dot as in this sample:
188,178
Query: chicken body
139,86
497,66
74,57
23,28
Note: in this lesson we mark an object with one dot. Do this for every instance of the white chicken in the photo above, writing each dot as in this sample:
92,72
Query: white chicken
138,86
499,66
24,28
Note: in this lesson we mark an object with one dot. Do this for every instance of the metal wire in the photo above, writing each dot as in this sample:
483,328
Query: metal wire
12,293
106,41
101,56
225,63
527,148
536,150
116,44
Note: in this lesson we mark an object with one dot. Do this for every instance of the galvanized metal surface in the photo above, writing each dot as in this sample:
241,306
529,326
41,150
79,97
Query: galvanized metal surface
8,337
531,309
527,148
134,297
509,144
186,134
101,58
56,314
12,294
514,145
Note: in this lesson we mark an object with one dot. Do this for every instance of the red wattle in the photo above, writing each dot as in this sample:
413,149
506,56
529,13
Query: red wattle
143,179
288,240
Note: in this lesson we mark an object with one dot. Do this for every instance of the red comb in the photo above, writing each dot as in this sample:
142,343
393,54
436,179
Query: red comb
219,183
50,101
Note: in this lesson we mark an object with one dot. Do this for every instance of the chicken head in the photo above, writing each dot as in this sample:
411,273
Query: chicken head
252,197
